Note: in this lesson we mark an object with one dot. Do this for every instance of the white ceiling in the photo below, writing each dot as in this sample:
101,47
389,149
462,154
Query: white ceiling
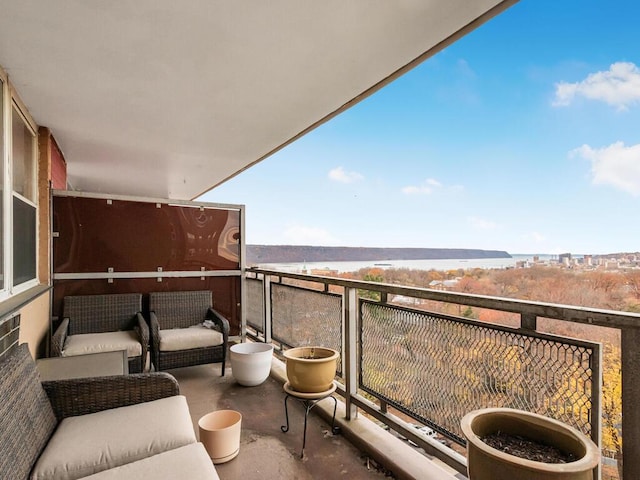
167,99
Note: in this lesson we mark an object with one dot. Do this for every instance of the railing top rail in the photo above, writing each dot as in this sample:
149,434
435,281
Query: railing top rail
570,313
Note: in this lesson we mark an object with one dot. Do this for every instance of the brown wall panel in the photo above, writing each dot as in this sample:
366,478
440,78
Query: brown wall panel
130,236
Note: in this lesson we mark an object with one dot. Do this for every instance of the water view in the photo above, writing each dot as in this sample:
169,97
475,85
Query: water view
441,264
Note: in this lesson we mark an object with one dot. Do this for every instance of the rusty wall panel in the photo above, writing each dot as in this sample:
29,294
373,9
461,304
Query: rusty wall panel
139,237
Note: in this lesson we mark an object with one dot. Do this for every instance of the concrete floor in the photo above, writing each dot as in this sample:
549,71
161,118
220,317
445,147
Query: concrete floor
268,453
265,451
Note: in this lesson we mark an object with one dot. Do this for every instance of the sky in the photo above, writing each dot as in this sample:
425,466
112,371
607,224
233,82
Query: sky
522,136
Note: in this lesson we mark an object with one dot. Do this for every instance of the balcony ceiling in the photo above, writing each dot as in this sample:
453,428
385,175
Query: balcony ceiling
168,99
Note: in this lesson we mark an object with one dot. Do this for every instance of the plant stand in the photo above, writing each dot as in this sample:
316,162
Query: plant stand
309,400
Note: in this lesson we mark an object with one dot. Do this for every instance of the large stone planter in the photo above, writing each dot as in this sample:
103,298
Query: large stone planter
251,362
311,369
487,463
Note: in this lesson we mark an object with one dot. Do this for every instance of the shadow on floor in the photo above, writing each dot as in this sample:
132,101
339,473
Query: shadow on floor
265,451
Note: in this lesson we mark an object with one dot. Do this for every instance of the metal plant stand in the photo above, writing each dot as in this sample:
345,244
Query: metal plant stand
309,400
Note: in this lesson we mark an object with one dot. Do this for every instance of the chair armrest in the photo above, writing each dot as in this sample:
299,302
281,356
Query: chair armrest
221,322
155,337
143,334
89,395
59,337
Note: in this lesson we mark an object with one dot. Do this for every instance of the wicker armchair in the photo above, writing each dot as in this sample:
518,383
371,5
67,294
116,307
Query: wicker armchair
179,337
101,323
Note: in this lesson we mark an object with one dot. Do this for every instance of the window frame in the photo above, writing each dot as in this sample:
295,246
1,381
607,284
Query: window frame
11,101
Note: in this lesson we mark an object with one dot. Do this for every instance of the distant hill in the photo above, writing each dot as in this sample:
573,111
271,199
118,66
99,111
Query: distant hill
257,254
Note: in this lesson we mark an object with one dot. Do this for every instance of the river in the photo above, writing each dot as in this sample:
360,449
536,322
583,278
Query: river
442,264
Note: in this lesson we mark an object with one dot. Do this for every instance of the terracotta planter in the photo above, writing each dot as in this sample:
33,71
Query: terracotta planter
251,362
311,369
220,434
487,463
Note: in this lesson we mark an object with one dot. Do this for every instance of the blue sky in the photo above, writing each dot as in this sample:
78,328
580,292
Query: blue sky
522,136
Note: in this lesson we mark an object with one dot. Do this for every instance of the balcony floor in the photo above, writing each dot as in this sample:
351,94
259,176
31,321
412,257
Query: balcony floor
267,452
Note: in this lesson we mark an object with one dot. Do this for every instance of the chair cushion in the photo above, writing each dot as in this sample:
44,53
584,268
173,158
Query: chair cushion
190,462
197,336
88,444
103,342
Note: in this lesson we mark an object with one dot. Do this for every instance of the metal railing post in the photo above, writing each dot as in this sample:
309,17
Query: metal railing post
630,339
351,348
528,322
267,308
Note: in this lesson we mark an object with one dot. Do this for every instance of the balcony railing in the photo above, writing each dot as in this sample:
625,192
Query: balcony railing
404,365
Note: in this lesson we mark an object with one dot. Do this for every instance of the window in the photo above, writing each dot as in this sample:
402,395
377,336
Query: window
18,194
2,169
23,148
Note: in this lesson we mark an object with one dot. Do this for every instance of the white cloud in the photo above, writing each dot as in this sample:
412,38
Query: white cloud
426,188
338,174
619,87
481,223
303,235
535,237
614,165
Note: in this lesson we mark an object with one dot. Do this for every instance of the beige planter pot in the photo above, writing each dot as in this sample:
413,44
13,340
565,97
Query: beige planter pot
487,463
220,434
311,369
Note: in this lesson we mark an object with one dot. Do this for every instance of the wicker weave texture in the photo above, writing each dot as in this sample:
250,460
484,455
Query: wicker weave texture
101,313
180,309
88,395
26,417
169,310
195,356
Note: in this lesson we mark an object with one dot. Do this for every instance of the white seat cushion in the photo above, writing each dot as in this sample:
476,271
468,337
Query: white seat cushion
102,342
88,444
190,462
198,336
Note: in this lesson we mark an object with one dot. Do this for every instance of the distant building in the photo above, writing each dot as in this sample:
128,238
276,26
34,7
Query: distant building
443,284
564,259
588,260
324,272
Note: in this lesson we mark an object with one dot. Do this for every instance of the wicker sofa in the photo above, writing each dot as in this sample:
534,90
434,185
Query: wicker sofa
100,323
101,428
179,337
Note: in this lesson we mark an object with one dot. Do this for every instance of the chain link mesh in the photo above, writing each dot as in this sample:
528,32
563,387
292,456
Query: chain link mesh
255,303
437,368
306,317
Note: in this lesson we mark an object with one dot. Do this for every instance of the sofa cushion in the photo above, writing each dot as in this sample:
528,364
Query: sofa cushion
26,417
82,344
190,462
197,336
88,444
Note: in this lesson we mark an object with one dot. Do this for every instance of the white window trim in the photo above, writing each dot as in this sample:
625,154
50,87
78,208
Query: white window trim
6,194
12,100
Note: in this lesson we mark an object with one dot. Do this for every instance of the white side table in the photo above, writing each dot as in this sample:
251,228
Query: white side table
81,366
